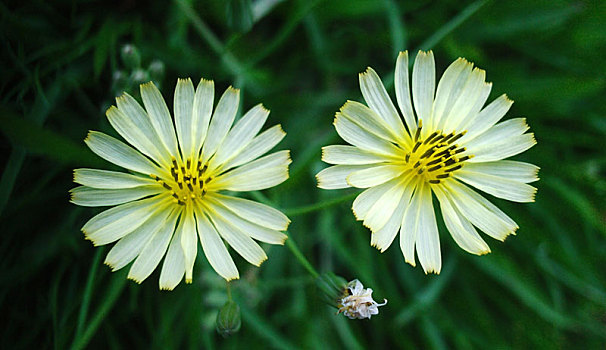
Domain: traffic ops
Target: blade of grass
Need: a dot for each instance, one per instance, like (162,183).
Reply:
(88,291)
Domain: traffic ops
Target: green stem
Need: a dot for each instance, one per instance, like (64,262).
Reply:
(228,288)
(88,291)
(290,244)
(319,206)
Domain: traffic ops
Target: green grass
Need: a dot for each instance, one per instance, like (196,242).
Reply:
(544,288)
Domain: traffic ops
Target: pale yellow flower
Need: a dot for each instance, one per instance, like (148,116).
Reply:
(172,196)
(448,141)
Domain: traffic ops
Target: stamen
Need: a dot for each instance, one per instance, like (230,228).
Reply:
(435,168)
(165,185)
(416,164)
(458,136)
(429,152)
(457,167)
(407,157)
(443,176)
(418,132)
(434,134)
(416,147)
(464,158)
(447,137)
(438,160)
(434,181)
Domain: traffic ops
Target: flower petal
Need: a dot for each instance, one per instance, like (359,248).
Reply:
(498,186)
(355,135)
(427,238)
(474,93)
(423,84)
(113,224)
(504,149)
(189,242)
(370,121)
(131,245)
(173,267)
(154,250)
(334,177)
(255,212)
(374,176)
(449,89)
(383,209)
(383,238)
(378,100)
(159,116)
(260,174)
(402,85)
(487,117)
(221,121)
(260,145)
(459,227)
(202,110)
(214,249)
(499,133)
(483,214)
(97,178)
(94,197)
(342,154)
(117,152)
(369,197)
(510,169)
(240,135)
(239,240)
(184,106)
(255,231)
(408,230)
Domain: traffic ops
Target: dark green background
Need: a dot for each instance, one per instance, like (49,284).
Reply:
(544,288)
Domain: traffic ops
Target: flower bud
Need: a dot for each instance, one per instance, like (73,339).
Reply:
(130,56)
(156,71)
(357,302)
(228,319)
(138,76)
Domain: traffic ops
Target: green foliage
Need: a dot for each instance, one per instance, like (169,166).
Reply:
(544,288)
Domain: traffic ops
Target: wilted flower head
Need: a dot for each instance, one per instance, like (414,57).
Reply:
(357,302)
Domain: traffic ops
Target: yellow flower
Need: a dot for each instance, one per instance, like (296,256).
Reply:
(172,197)
(450,139)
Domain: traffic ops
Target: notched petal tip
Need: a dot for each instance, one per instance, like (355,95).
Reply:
(133,278)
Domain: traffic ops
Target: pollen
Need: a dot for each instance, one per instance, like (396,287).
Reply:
(187,182)
(435,158)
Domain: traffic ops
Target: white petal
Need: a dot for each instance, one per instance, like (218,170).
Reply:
(342,154)
(96,178)
(113,224)
(262,173)
(154,250)
(510,169)
(423,84)
(378,100)
(189,242)
(133,123)
(184,106)
(367,199)
(408,230)
(242,133)
(487,117)
(428,240)
(473,113)
(374,176)
(383,238)
(503,149)
(131,245)
(449,89)
(202,110)
(117,152)
(363,138)
(459,227)
(260,145)
(402,84)
(239,240)
(94,197)
(255,231)
(173,267)
(483,214)
(498,186)
(383,209)
(221,121)
(214,249)
(334,177)
(256,212)
(159,116)
(499,133)
(474,92)
(369,120)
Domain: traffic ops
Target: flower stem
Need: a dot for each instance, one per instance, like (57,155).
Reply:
(290,244)
(319,206)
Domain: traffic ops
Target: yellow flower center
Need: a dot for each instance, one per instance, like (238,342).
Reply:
(434,158)
(188,181)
